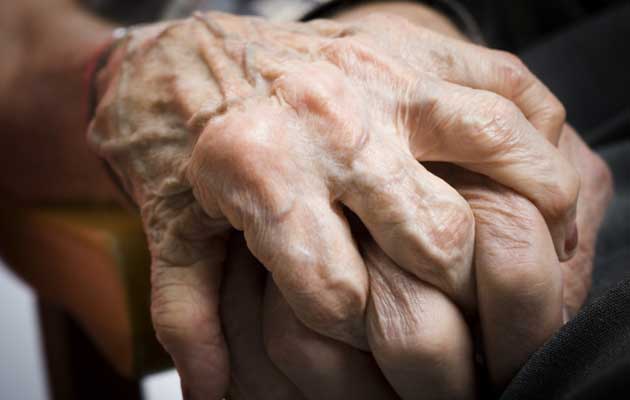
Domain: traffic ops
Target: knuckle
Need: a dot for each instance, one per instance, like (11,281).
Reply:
(499,210)
(224,149)
(451,245)
(552,117)
(440,252)
(491,128)
(338,311)
(457,225)
(519,79)
(498,105)
(507,225)
(454,227)
(338,49)
(332,302)
(564,194)
(211,152)
(514,71)
(248,178)
(438,238)
(330,103)
(314,96)
(557,113)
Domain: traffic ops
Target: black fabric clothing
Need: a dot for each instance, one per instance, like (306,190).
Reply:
(516,24)
(455,10)
(588,359)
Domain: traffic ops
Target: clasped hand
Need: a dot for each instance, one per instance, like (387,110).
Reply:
(285,131)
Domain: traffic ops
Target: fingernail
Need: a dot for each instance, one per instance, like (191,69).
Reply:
(572,240)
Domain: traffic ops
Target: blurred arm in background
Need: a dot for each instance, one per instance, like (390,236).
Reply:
(44,156)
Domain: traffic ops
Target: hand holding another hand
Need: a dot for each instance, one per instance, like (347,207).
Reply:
(220,122)
(422,346)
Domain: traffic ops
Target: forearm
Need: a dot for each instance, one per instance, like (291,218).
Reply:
(414,11)
(43,151)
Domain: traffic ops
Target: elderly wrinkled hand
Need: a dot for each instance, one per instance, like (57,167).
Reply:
(421,343)
(220,122)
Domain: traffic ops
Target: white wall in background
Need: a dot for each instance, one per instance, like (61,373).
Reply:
(162,386)
(21,363)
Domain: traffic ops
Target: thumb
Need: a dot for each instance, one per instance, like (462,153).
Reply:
(187,254)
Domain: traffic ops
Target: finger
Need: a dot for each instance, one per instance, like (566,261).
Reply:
(519,278)
(477,129)
(253,375)
(519,275)
(185,278)
(487,134)
(317,267)
(417,335)
(500,72)
(321,367)
(505,74)
(287,217)
(473,66)
(422,223)
(596,192)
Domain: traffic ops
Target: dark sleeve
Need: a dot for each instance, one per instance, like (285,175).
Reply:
(126,12)
(588,359)
(452,9)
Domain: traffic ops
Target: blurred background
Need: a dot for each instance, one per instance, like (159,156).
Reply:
(22,369)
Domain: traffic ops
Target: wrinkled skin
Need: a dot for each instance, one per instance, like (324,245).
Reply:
(419,340)
(219,122)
